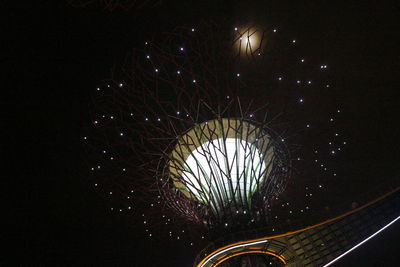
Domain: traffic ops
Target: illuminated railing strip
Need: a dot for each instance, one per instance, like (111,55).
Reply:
(362,242)
(268,252)
(231,248)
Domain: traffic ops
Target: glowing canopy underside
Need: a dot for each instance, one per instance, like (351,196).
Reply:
(222,163)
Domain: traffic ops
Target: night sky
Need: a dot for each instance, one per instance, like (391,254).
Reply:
(53,55)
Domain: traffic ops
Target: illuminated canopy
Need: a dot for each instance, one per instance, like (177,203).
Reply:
(222,163)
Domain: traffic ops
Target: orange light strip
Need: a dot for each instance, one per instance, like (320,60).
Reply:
(269,252)
(300,230)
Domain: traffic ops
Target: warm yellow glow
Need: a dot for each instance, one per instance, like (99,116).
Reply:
(281,258)
(248,41)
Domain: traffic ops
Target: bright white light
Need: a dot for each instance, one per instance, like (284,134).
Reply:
(233,163)
(362,242)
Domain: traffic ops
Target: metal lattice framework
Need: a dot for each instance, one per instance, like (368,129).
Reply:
(167,117)
(223,169)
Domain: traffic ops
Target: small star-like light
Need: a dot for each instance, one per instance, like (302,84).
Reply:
(95,184)
(158,119)
(156,70)
(238,74)
(147,56)
(194,81)
(293,41)
(308,125)
(193,29)
(181,48)
(298,82)
(302,60)
(274,30)
(179,72)
(121,134)
(301,100)
(98,89)
(236,28)
(280,78)
(120,85)
(309,82)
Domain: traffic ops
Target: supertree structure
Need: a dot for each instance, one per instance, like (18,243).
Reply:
(202,129)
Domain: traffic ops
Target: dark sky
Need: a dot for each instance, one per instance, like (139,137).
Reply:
(53,55)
